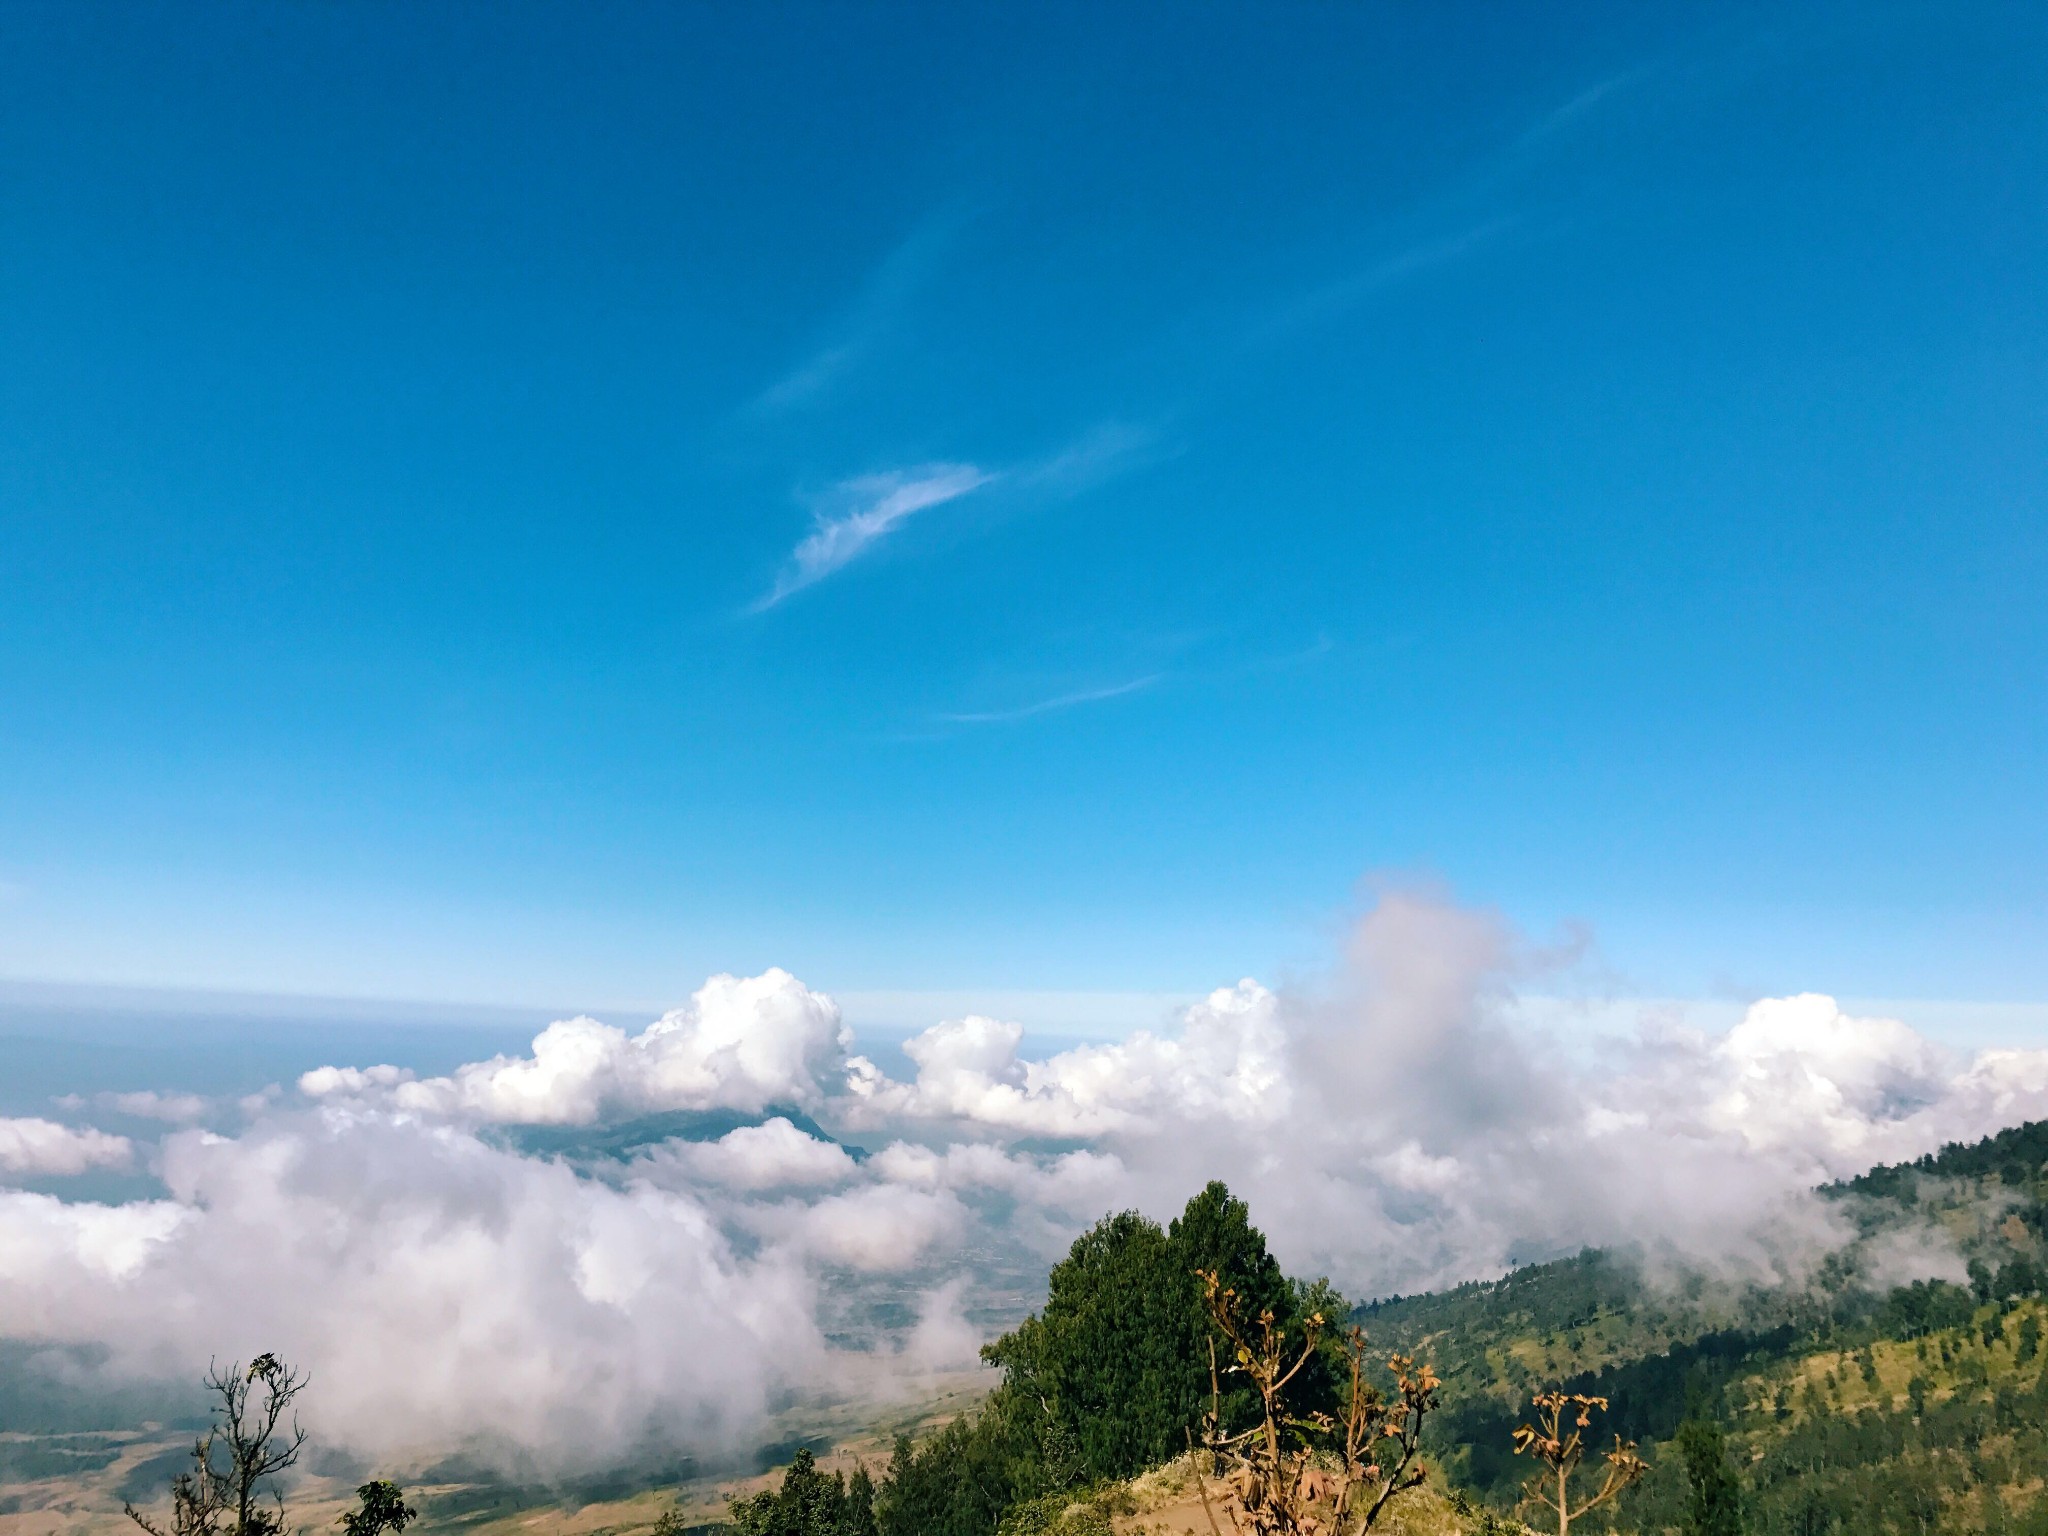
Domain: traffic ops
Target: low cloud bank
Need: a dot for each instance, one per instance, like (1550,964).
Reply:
(33,1146)
(1391,1127)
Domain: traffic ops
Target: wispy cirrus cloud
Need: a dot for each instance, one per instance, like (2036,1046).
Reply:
(1579,106)
(808,379)
(875,310)
(1325,303)
(858,512)
(1480,209)
(1106,450)
(854,514)
(1052,705)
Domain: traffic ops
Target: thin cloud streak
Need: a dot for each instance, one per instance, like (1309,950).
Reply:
(881,299)
(1053,705)
(1333,299)
(1103,452)
(1580,105)
(880,504)
(807,379)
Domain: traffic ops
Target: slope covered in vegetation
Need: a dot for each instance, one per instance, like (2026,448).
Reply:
(1848,1403)
(1842,1402)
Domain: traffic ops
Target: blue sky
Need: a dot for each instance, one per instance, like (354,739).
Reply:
(542,503)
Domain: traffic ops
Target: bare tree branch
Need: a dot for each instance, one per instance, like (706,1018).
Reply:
(1315,1476)
(230,1489)
(1561,1447)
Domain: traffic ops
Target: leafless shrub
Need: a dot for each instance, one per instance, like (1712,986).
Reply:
(1561,1447)
(1313,1475)
(254,1436)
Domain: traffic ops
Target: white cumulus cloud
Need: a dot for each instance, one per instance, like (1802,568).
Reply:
(741,1043)
(757,1157)
(1393,1125)
(439,1289)
(34,1146)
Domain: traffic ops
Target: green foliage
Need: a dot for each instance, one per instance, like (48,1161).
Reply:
(809,1503)
(1110,1378)
(2021,1277)
(1119,1358)
(1109,1356)
(1484,1521)
(1215,1233)
(1828,1407)
(380,1507)
(1916,1394)
(958,1482)
(1716,1508)
(2015,1158)
(1925,1307)
(1057,1514)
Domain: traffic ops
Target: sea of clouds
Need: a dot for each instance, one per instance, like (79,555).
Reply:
(1391,1125)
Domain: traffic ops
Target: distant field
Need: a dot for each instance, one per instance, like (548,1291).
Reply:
(75,1484)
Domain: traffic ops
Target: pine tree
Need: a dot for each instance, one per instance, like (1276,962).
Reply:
(1117,1365)
(1715,1508)
(1107,1356)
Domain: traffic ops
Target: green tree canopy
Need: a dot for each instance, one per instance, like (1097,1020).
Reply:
(809,1503)
(1715,1507)
(1118,1362)
(380,1507)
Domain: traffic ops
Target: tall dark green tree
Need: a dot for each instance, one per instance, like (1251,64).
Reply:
(1215,1233)
(1109,1355)
(958,1482)
(1119,1359)
(1715,1508)
(857,1513)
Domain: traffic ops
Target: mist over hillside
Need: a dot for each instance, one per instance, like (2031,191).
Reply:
(616,1246)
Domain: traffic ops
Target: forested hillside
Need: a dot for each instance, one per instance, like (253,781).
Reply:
(1839,1402)
(1847,1403)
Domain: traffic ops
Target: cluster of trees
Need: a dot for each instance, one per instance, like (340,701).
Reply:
(1155,1341)
(1158,1340)
(1111,1378)
(2016,1157)
(1118,1361)
(1930,1462)
(1924,1307)
(809,1503)
(1930,1306)
(2017,1277)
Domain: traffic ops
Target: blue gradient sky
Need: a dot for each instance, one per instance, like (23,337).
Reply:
(1597,460)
